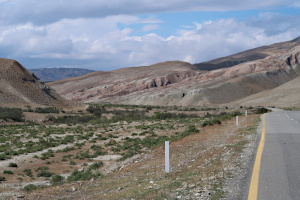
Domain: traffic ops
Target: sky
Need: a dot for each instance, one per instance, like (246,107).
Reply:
(105,35)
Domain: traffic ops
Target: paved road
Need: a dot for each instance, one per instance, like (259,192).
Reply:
(279,174)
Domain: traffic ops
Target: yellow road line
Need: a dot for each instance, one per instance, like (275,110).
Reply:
(255,174)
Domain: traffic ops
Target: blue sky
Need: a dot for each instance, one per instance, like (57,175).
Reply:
(107,35)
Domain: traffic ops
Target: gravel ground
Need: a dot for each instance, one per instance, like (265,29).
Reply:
(237,187)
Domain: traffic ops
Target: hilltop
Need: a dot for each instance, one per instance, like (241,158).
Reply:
(20,87)
(249,55)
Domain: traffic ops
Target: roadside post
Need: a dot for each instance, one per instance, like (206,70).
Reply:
(167,157)
(237,120)
(246,113)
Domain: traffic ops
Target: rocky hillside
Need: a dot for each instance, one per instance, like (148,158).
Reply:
(55,74)
(19,87)
(249,55)
(180,83)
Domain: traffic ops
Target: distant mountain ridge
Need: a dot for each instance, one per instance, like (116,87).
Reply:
(249,55)
(55,74)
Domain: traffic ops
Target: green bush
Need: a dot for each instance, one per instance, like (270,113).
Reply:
(28,172)
(30,187)
(207,123)
(57,180)
(261,110)
(216,121)
(13,165)
(2,178)
(82,176)
(42,168)
(95,165)
(192,129)
(7,172)
(72,162)
(45,174)
(15,114)
(46,110)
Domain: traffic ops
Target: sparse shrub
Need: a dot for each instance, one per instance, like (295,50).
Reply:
(261,110)
(46,110)
(2,178)
(30,187)
(7,172)
(95,165)
(82,176)
(15,114)
(72,162)
(42,168)
(13,165)
(47,155)
(207,123)
(57,179)
(28,172)
(111,142)
(216,121)
(3,157)
(45,174)
(192,129)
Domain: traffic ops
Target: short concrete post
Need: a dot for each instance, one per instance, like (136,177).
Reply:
(237,120)
(246,113)
(167,157)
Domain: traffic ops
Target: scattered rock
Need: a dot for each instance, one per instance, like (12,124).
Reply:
(184,185)
(197,194)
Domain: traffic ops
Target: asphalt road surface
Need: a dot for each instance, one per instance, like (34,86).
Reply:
(279,172)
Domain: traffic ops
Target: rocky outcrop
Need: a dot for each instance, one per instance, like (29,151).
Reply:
(19,87)
(180,83)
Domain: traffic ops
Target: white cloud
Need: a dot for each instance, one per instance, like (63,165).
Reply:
(150,27)
(100,44)
(189,59)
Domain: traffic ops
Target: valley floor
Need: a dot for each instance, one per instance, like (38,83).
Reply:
(204,165)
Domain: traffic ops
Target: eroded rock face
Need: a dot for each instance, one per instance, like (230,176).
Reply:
(180,83)
(18,87)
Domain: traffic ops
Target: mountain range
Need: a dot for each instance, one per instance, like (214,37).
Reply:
(273,79)
(54,74)
(181,83)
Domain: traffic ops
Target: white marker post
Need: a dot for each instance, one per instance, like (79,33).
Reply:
(246,113)
(237,120)
(167,157)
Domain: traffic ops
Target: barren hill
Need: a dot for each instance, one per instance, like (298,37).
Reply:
(180,83)
(286,95)
(55,74)
(19,87)
(249,55)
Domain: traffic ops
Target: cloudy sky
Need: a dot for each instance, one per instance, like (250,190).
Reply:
(106,35)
